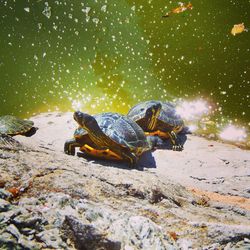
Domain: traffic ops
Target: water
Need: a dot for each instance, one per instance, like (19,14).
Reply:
(108,55)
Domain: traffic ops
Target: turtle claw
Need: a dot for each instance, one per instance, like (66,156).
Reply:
(69,152)
(177,147)
(69,147)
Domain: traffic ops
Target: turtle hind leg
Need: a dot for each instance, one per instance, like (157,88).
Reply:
(70,145)
(110,154)
(100,153)
(130,157)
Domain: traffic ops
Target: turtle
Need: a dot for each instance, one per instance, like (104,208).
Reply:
(108,135)
(12,125)
(160,119)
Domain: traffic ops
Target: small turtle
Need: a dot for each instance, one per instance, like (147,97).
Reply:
(109,136)
(160,119)
(11,125)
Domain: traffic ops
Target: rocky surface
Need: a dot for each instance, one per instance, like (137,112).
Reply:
(195,199)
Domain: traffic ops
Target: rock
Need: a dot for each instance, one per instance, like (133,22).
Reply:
(185,244)
(13,230)
(9,215)
(32,220)
(51,239)
(8,241)
(246,240)
(32,201)
(141,233)
(27,231)
(2,182)
(4,194)
(86,236)
(92,216)
(4,205)
(71,203)
(25,243)
(228,233)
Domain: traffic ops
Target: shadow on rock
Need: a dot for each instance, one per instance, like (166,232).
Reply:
(146,161)
(86,236)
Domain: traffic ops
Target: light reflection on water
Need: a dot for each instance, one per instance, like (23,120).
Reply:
(103,56)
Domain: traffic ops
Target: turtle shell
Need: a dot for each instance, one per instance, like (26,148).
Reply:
(168,118)
(11,125)
(120,129)
(168,115)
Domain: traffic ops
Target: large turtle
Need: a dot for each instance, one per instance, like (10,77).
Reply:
(11,125)
(160,119)
(108,135)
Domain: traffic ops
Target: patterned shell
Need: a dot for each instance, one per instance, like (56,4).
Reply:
(120,129)
(11,125)
(167,115)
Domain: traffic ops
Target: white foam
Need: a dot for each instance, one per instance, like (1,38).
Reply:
(193,110)
(233,133)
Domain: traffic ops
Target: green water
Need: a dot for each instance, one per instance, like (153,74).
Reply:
(117,53)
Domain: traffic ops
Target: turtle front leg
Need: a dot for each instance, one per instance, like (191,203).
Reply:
(176,144)
(70,145)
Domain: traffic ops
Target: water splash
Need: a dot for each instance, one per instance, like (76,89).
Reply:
(47,10)
(193,110)
(233,133)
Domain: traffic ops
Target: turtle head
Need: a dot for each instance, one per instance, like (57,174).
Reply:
(153,110)
(152,114)
(84,120)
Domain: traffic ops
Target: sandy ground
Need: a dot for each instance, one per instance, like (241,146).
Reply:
(202,165)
